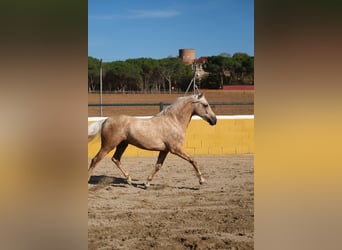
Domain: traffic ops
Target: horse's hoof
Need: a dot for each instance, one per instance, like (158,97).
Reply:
(147,184)
(202,181)
(129,181)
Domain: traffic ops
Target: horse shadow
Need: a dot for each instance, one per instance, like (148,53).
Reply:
(104,180)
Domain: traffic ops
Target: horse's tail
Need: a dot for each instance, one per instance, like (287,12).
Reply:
(94,128)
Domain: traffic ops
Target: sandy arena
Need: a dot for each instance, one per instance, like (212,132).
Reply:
(175,212)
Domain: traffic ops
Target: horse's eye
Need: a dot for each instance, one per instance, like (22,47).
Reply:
(205,105)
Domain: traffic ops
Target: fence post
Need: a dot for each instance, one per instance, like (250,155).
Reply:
(161,106)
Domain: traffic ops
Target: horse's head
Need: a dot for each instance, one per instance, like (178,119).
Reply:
(203,109)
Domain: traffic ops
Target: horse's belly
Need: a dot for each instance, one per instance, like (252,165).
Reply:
(148,145)
(146,141)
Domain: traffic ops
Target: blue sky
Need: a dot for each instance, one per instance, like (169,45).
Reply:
(123,29)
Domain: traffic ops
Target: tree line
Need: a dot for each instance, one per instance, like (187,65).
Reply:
(168,74)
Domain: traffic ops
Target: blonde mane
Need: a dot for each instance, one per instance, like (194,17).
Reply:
(180,102)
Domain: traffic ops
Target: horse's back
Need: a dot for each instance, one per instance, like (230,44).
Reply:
(126,124)
(117,119)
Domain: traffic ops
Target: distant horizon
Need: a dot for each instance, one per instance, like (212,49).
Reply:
(104,60)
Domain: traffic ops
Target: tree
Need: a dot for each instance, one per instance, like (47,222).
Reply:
(211,81)
(224,54)
(122,76)
(220,66)
(168,68)
(174,72)
(93,73)
(238,69)
(243,66)
(148,75)
(148,68)
(184,77)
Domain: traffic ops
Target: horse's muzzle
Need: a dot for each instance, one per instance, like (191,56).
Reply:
(212,120)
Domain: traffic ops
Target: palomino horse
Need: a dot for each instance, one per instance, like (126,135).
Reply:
(164,132)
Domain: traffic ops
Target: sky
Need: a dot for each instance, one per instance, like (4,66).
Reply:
(126,29)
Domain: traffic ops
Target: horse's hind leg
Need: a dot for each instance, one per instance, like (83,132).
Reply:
(120,149)
(161,157)
(181,153)
(98,157)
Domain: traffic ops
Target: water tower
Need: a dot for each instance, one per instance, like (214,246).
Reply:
(187,55)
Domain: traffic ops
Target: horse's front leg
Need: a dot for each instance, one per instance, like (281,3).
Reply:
(181,153)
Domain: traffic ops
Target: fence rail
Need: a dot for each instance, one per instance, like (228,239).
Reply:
(160,104)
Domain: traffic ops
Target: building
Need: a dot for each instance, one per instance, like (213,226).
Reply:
(198,64)
(187,55)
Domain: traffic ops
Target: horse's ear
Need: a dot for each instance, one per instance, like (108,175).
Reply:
(200,95)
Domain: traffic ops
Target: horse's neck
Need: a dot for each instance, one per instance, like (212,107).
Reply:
(184,114)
